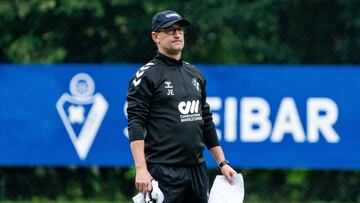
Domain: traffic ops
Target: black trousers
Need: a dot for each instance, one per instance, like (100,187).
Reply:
(188,184)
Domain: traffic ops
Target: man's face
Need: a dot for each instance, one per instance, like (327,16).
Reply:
(170,39)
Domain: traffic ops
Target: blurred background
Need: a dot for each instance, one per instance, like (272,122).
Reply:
(287,32)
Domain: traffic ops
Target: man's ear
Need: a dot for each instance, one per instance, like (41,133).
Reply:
(155,37)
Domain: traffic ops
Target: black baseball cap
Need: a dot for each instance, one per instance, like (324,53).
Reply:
(167,18)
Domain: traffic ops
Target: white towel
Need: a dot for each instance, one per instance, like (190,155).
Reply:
(156,195)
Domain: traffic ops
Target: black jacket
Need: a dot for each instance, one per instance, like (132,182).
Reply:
(167,107)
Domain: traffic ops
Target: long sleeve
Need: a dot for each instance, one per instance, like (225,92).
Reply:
(138,99)
(209,131)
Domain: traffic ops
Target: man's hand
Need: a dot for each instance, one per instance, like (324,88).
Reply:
(143,180)
(228,172)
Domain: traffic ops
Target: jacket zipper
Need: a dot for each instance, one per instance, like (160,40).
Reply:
(179,67)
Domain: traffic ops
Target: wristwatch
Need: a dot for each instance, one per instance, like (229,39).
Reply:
(221,164)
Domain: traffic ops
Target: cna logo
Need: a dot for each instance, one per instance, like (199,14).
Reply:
(82,112)
(189,111)
(189,107)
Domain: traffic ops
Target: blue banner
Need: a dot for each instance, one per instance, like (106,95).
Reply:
(267,116)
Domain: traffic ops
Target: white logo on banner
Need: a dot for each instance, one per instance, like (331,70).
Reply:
(82,110)
(251,116)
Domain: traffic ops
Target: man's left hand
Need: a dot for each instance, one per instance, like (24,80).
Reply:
(228,172)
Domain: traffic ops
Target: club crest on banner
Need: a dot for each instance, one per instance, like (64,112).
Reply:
(82,112)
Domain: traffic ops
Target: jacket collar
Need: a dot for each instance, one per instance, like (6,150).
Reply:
(167,60)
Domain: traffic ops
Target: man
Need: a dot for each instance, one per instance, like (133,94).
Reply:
(169,121)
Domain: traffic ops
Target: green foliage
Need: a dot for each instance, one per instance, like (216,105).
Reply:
(31,49)
(40,184)
(118,31)
(65,184)
(301,186)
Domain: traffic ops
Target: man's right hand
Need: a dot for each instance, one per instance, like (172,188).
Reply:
(143,180)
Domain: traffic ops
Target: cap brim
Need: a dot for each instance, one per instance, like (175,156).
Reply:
(182,22)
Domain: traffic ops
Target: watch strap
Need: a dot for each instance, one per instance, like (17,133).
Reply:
(223,163)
